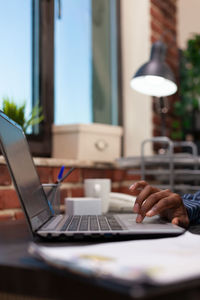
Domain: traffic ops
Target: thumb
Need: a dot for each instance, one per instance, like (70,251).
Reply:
(180,221)
(175,221)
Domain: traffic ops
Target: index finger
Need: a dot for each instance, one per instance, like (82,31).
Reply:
(137,187)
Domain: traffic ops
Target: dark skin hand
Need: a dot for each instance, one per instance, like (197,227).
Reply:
(152,201)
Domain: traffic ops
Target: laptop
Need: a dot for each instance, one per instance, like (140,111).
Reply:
(42,220)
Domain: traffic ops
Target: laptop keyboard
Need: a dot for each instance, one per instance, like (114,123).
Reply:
(91,223)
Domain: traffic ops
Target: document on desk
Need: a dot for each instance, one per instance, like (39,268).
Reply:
(159,261)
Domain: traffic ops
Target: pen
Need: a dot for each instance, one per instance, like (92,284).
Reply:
(50,206)
(65,176)
(60,173)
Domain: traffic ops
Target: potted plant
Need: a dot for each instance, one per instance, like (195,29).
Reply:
(17,113)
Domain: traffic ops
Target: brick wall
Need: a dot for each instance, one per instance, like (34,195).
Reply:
(164,27)
(48,170)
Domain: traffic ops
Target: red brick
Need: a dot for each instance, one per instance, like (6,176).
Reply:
(45,174)
(1,200)
(165,6)
(6,217)
(134,177)
(155,27)
(169,9)
(64,193)
(170,25)
(156,132)
(168,37)
(155,37)
(118,175)
(19,215)
(156,14)
(97,173)
(5,178)
(156,119)
(9,199)
(173,64)
(122,175)
(77,192)
(125,190)
(75,176)
(159,17)
(164,18)
(109,173)
(173,52)
(115,189)
(72,192)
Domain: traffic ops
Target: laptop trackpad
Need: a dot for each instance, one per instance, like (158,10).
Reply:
(149,225)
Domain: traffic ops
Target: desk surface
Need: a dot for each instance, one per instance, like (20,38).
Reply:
(23,275)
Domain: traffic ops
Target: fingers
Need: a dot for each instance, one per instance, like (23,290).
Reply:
(137,187)
(153,201)
(175,221)
(164,204)
(155,204)
(182,221)
(149,195)
(143,190)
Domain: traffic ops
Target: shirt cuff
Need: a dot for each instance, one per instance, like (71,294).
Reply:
(193,210)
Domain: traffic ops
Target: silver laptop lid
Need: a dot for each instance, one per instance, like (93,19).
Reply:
(20,163)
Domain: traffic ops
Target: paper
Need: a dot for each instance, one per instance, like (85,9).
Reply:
(161,261)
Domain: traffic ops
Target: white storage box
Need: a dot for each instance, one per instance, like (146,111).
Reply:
(83,206)
(96,142)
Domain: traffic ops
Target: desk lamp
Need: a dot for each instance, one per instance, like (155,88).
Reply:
(155,78)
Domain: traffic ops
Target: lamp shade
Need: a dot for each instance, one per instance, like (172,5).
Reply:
(155,77)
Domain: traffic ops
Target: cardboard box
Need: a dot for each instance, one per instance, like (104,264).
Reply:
(96,142)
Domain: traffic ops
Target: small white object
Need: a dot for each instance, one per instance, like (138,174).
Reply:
(100,188)
(120,202)
(83,206)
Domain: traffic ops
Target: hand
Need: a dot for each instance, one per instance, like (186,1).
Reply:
(153,201)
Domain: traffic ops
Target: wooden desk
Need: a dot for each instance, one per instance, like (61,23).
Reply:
(22,275)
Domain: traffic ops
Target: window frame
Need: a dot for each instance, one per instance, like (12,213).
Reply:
(41,144)
(106,43)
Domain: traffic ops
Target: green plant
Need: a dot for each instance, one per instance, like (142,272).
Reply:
(189,87)
(17,113)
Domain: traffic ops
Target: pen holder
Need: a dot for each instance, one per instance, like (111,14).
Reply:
(52,191)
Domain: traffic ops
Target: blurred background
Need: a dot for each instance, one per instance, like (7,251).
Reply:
(76,59)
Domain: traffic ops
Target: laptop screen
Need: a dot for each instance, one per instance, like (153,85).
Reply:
(20,163)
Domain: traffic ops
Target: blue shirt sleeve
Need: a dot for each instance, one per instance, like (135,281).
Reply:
(192,204)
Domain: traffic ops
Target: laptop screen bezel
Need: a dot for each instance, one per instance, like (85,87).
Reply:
(42,216)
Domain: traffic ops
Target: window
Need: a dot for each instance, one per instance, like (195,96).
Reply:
(15,58)
(86,62)
(66,57)
(24,74)
(43,73)
(73,62)
(106,62)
